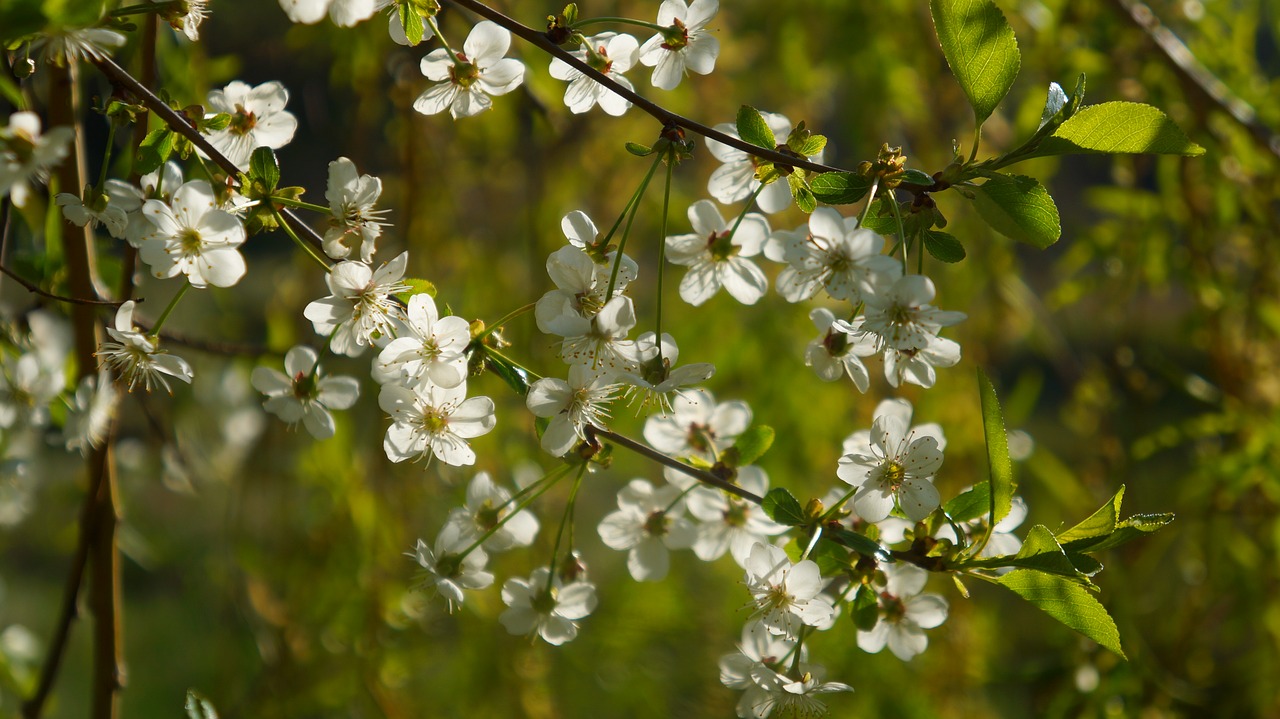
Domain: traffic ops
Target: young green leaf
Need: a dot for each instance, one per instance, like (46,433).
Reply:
(1041,551)
(753,128)
(1066,601)
(753,443)
(1099,524)
(1118,128)
(916,177)
(515,377)
(865,608)
(1002,484)
(831,558)
(411,23)
(417,286)
(839,188)
(1020,208)
(943,246)
(1135,527)
(782,507)
(980,49)
(264,166)
(861,544)
(970,505)
(803,195)
(154,150)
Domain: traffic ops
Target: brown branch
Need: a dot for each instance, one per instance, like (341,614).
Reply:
(32,288)
(699,474)
(1195,75)
(179,124)
(659,113)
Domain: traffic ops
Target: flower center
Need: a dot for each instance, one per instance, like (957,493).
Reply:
(599,60)
(676,37)
(242,122)
(435,421)
(700,437)
(720,245)
(836,343)
(304,386)
(464,75)
(488,515)
(656,524)
(894,473)
(736,515)
(189,240)
(544,602)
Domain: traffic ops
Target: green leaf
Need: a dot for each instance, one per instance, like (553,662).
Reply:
(516,378)
(782,507)
(1002,484)
(220,121)
(970,505)
(1066,601)
(861,544)
(155,149)
(753,128)
(198,707)
(916,177)
(810,146)
(1135,527)
(803,195)
(264,166)
(831,558)
(943,246)
(639,150)
(1118,128)
(980,49)
(839,188)
(411,22)
(753,443)
(1020,208)
(865,608)
(417,286)
(1099,524)
(1041,551)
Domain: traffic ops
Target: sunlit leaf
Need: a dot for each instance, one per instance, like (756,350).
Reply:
(980,49)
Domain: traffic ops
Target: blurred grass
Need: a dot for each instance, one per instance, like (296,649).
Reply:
(1141,350)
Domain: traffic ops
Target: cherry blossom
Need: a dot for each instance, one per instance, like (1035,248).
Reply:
(611,54)
(716,256)
(432,348)
(344,13)
(552,613)
(686,45)
(786,596)
(697,426)
(355,226)
(836,352)
(26,154)
(136,357)
(488,508)
(430,421)
(735,180)
(258,119)
(728,523)
(904,613)
(833,253)
(481,70)
(359,310)
(301,394)
(897,465)
(447,570)
(647,523)
(571,406)
(192,237)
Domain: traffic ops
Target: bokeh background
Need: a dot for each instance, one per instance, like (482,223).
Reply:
(267,571)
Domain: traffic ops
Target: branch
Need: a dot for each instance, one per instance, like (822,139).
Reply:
(120,77)
(659,113)
(699,474)
(32,288)
(1196,75)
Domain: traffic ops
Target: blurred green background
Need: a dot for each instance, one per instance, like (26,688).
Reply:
(267,571)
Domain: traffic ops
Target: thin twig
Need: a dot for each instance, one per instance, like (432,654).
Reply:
(30,287)
(179,124)
(659,113)
(698,474)
(1196,75)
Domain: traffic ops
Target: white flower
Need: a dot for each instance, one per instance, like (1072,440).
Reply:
(697,426)
(917,366)
(648,522)
(100,211)
(753,668)
(655,378)
(686,44)
(552,612)
(717,257)
(489,507)
(482,71)
(64,45)
(600,342)
(359,310)
(302,394)
(901,317)
(89,413)
(28,383)
(258,119)
(136,357)
(193,238)
(434,421)
(728,523)
(860,442)
(580,282)
(610,53)
(836,352)
(797,697)
(786,596)
(157,185)
(904,613)
(345,13)
(27,155)
(833,253)
(355,225)
(449,572)
(432,350)
(735,180)
(571,406)
(899,465)
(186,17)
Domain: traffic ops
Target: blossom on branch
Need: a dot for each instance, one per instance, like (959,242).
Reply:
(26,154)
(192,237)
(136,357)
(609,53)
(430,421)
(685,45)
(716,255)
(359,310)
(258,119)
(302,394)
(355,226)
(480,70)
